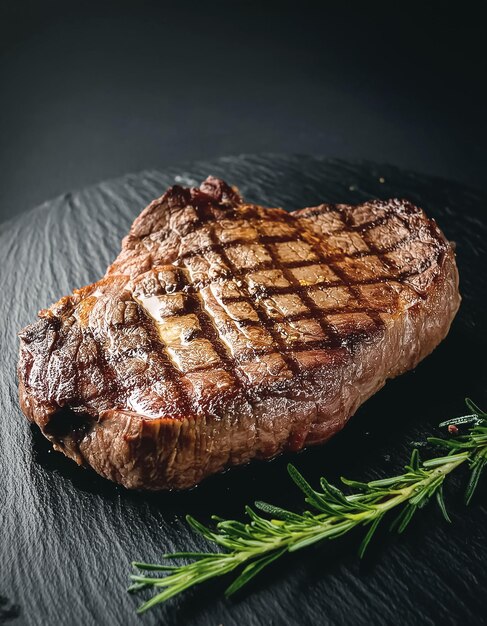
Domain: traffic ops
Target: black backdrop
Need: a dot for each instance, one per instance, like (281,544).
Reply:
(94,89)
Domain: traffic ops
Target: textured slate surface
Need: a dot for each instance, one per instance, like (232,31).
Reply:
(67,536)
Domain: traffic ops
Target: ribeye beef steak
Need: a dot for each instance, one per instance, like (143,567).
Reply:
(225,331)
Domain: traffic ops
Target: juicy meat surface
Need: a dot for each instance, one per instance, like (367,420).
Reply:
(225,331)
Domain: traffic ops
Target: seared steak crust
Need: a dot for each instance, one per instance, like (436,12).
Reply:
(225,331)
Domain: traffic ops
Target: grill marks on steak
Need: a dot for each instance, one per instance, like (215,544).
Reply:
(225,331)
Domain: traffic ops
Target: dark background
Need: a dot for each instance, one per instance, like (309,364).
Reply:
(92,90)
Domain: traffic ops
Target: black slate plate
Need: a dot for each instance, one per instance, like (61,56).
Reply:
(67,536)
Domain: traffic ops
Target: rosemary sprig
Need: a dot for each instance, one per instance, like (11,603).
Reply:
(250,547)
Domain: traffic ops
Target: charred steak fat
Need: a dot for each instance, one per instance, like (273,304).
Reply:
(225,331)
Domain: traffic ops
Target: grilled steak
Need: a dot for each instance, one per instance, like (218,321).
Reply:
(225,331)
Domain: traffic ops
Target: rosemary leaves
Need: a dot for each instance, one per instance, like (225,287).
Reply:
(249,547)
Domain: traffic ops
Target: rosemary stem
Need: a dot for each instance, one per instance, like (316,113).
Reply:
(439,473)
(317,530)
(250,547)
